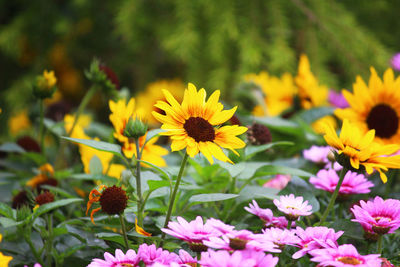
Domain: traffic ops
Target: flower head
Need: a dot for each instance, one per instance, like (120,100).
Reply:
(293,207)
(120,259)
(151,254)
(344,256)
(395,62)
(379,216)
(45,85)
(259,134)
(29,144)
(220,226)
(267,216)
(280,237)
(353,183)
(192,124)
(355,149)
(19,122)
(246,258)
(45,197)
(44,177)
(320,155)
(337,99)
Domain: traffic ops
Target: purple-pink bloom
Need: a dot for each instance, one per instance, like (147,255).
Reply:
(240,258)
(120,258)
(151,254)
(395,62)
(319,155)
(279,181)
(379,216)
(267,216)
(344,256)
(186,258)
(262,259)
(314,238)
(279,237)
(220,225)
(337,99)
(293,207)
(353,183)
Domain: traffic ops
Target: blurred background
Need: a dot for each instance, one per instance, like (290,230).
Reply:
(210,43)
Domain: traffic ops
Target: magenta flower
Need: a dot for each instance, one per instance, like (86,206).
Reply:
(280,237)
(267,216)
(395,62)
(319,155)
(315,238)
(379,216)
(151,254)
(186,258)
(262,259)
(293,207)
(194,232)
(243,258)
(279,181)
(337,99)
(353,183)
(220,226)
(344,256)
(119,260)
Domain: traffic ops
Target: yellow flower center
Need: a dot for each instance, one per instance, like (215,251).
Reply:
(384,120)
(349,260)
(199,129)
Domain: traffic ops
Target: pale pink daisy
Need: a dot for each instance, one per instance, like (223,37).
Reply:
(194,232)
(379,216)
(220,225)
(353,183)
(319,155)
(337,99)
(119,260)
(186,258)
(344,256)
(245,258)
(314,238)
(278,182)
(293,207)
(262,259)
(279,237)
(151,254)
(267,216)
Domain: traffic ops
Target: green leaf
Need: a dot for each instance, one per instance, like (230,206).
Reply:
(276,169)
(164,173)
(152,134)
(233,169)
(252,191)
(11,147)
(6,210)
(351,229)
(311,115)
(58,190)
(7,222)
(211,197)
(111,237)
(95,165)
(56,128)
(54,205)
(250,151)
(153,185)
(91,177)
(279,124)
(99,145)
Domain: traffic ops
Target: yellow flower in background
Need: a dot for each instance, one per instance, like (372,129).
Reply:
(19,122)
(360,149)
(319,125)
(375,106)
(4,260)
(47,80)
(87,153)
(119,117)
(311,94)
(194,124)
(278,93)
(146,99)
(46,172)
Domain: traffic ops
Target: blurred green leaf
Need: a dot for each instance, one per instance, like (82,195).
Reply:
(95,166)
(99,145)
(11,147)
(252,192)
(54,205)
(6,210)
(311,115)
(211,197)
(250,151)
(93,177)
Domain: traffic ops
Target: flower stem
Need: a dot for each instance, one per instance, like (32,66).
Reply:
(379,245)
(334,196)
(138,184)
(27,237)
(121,219)
(173,195)
(41,126)
(289,224)
(49,241)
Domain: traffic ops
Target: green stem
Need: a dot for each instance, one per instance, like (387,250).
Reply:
(49,242)
(289,224)
(41,126)
(334,196)
(172,197)
(27,236)
(121,219)
(138,184)
(88,96)
(379,248)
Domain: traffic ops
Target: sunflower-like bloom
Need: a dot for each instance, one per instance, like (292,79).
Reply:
(375,106)
(145,100)
(360,149)
(278,93)
(191,124)
(119,117)
(311,94)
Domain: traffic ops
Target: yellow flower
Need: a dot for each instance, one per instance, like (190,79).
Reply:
(145,100)
(311,94)
(119,117)
(48,80)
(194,124)
(84,121)
(19,122)
(278,93)
(140,230)
(360,149)
(46,172)
(375,106)
(319,125)
(4,260)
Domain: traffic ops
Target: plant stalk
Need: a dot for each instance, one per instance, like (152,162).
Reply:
(41,126)
(289,224)
(139,184)
(379,245)
(49,242)
(121,219)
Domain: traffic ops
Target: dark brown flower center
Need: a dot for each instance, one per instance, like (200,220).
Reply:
(44,198)
(259,134)
(199,129)
(384,120)
(349,260)
(198,247)
(237,243)
(113,200)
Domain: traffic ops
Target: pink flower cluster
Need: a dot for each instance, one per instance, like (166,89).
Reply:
(319,155)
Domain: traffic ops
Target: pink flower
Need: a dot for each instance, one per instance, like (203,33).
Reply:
(280,237)
(379,216)
(344,256)
(244,258)
(150,254)
(353,183)
(120,258)
(337,99)
(395,62)
(194,232)
(267,216)
(293,207)
(319,155)
(186,258)
(314,238)
(279,181)
(262,259)
(220,226)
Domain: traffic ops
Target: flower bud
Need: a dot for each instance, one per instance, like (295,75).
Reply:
(259,134)
(135,128)
(97,74)
(45,85)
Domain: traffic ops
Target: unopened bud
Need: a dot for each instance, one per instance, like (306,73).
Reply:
(135,128)
(45,85)
(98,74)
(331,156)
